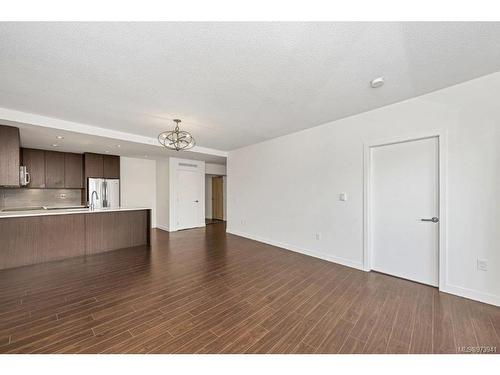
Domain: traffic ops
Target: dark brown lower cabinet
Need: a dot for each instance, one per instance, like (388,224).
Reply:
(115,230)
(39,239)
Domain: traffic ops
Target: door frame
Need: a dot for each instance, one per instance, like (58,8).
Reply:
(367,197)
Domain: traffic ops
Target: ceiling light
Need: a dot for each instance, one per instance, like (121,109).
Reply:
(118,145)
(60,137)
(54,145)
(176,139)
(377,82)
(107,152)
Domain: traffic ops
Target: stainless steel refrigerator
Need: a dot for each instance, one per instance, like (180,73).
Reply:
(107,192)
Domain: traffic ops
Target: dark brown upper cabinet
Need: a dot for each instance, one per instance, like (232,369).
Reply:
(54,169)
(34,160)
(9,156)
(111,166)
(101,166)
(94,165)
(73,171)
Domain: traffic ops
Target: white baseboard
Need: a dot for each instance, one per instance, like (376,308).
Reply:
(163,227)
(473,294)
(452,289)
(330,258)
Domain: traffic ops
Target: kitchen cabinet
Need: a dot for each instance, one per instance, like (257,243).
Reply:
(116,230)
(34,160)
(94,165)
(101,166)
(38,239)
(9,156)
(54,169)
(73,171)
(111,166)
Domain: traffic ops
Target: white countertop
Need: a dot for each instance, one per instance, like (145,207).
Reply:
(66,211)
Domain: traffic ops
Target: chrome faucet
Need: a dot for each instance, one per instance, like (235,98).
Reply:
(92,205)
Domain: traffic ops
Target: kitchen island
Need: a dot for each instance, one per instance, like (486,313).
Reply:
(38,236)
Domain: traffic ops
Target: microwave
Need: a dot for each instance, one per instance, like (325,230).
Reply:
(24,176)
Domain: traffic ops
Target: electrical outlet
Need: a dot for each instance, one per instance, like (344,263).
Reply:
(343,197)
(318,236)
(62,196)
(482,265)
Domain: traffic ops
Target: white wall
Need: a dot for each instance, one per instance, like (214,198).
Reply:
(162,194)
(148,183)
(215,169)
(138,184)
(285,190)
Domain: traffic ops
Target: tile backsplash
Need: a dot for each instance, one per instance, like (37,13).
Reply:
(13,198)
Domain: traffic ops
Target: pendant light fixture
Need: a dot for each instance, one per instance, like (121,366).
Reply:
(176,139)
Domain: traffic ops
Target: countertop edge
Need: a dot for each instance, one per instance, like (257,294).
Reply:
(68,212)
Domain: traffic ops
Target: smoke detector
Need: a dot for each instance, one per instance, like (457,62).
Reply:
(377,82)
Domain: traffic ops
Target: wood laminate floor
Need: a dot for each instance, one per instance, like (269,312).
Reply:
(202,291)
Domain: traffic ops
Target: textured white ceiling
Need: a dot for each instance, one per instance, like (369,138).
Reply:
(233,84)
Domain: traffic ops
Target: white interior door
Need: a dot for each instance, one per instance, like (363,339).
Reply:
(189,190)
(405,190)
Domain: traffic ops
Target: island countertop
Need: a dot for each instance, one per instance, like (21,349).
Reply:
(65,211)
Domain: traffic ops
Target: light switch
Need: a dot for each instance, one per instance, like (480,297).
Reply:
(343,197)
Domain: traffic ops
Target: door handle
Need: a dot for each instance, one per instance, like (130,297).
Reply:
(196,201)
(434,219)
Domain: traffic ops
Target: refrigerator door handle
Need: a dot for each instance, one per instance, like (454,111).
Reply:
(103,198)
(105,186)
